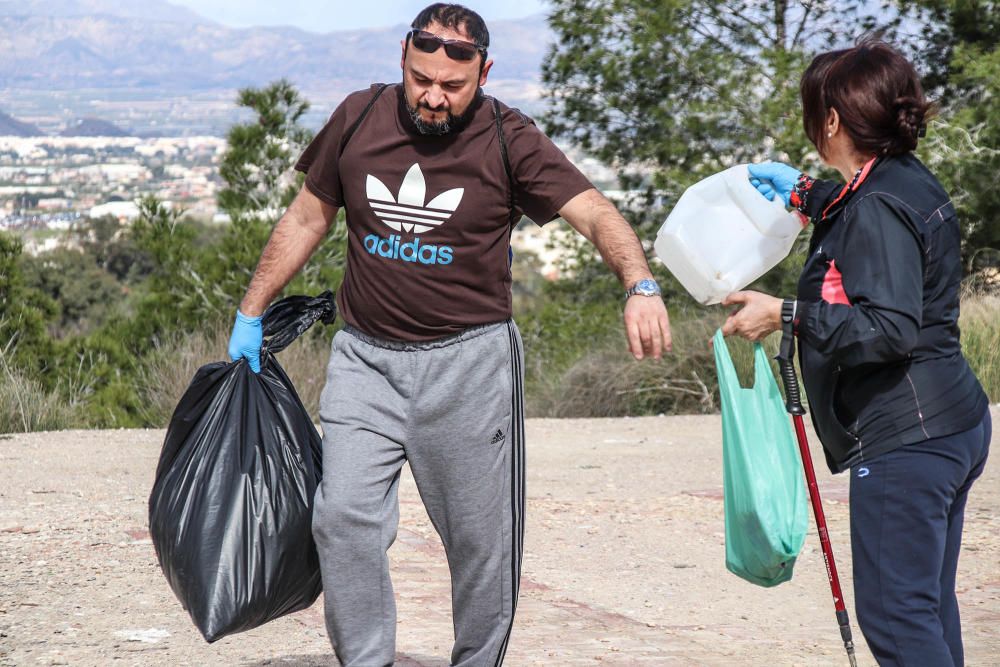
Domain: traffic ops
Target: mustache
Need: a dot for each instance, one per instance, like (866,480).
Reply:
(438,108)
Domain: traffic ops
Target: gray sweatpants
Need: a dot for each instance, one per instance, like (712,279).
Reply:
(452,408)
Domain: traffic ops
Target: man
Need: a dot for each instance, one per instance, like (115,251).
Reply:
(428,369)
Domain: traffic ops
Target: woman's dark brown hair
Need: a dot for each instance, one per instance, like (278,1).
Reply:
(876,92)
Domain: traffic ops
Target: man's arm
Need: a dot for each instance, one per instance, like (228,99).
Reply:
(292,242)
(646,321)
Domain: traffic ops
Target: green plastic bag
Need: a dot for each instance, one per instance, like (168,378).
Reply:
(765,495)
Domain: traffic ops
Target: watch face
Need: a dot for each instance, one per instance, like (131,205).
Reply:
(645,287)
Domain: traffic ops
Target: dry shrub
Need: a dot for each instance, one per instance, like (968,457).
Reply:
(167,375)
(980,325)
(25,406)
(608,382)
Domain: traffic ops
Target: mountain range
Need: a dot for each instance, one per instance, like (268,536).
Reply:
(80,127)
(92,127)
(12,127)
(144,47)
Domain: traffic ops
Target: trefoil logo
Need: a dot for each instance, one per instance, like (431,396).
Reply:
(407,212)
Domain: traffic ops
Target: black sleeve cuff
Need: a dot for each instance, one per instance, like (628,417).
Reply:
(821,193)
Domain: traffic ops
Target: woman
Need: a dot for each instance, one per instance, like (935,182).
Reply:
(876,315)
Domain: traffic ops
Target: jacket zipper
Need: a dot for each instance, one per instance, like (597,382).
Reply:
(916,401)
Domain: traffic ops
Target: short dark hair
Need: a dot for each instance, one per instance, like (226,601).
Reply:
(456,17)
(877,95)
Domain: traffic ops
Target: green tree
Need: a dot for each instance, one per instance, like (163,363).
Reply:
(669,91)
(949,27)
(260,154)
(189,276)
(84,292)
(108,242)
(260,184)
(962,58)
(24,314)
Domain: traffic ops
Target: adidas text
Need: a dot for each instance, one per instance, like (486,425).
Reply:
(413,251)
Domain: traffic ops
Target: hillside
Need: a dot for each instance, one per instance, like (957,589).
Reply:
(93,127)
(140,9)
(12,127)
(137,44)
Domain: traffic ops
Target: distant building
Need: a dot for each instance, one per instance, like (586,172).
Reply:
(116,172)
(54,204)
(122,210)
(549,244)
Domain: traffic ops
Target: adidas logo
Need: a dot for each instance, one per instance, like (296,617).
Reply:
(394,248)
(497,437)
(406,212)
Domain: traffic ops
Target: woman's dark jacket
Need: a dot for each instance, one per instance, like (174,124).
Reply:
(877,314)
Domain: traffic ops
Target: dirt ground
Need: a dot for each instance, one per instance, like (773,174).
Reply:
(624,562)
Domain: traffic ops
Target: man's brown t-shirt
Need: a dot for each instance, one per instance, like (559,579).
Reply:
(428,217)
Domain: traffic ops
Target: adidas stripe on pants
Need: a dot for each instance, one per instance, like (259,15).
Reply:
(452,408)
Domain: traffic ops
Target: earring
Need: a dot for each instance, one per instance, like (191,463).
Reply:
(829,134)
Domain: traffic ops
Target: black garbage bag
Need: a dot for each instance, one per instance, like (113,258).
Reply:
(231,508)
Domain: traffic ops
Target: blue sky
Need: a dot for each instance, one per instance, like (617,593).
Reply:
(326,16)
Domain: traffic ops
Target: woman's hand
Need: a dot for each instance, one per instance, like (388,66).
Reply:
(772,178)
(757,316)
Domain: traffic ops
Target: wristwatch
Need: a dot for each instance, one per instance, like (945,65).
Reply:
(645,287)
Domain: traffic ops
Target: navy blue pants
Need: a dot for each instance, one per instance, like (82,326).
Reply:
(907,508)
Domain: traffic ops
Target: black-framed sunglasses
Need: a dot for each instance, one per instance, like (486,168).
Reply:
(456,49)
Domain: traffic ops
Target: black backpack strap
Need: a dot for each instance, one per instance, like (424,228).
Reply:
(357,123)
(511,203)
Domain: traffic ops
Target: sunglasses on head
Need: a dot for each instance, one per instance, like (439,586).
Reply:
(456,49)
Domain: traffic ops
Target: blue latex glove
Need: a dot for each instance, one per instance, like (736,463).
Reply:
(772,178)
(245,342)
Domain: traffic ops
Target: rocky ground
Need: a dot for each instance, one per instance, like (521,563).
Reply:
(624,562)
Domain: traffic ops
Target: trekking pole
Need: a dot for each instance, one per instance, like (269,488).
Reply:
(793,404)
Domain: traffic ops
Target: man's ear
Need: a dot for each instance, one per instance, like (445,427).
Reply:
(402,53)
(485,73)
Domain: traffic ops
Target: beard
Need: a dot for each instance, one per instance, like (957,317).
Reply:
(449,125)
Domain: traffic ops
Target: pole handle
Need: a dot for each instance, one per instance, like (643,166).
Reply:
(786,366)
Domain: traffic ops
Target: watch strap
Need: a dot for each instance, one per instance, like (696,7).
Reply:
(790,312)
(634,289)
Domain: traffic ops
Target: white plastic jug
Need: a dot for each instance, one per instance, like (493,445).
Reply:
(722,235)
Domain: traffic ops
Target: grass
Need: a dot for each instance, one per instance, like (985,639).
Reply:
(980,325)
(607,382)
(25,406)
(166,377)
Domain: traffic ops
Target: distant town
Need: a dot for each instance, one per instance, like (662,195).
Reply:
(48,183)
